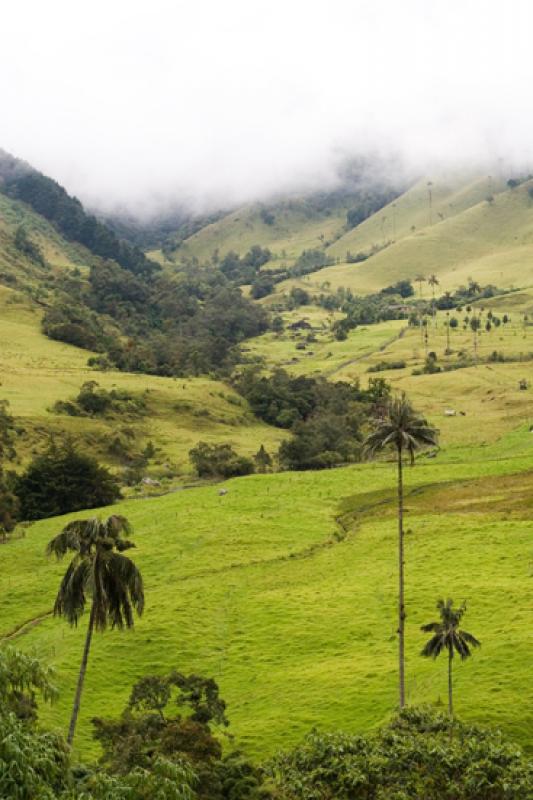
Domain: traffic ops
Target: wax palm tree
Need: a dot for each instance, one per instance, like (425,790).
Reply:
(433,281)
(420,279)
(98,570)
(447,635)
(403,430)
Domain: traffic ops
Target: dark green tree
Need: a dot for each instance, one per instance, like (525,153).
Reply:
(403,430)
(99,571)
(263,460)
(62,480)
(448,636)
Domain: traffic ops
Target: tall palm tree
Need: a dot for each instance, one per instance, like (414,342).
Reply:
(403,430)
(420,279)
(433,281)
(447,635)
(98,570)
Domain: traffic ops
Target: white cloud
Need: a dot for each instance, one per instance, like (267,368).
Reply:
(137,102)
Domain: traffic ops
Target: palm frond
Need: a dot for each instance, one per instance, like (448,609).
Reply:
(401,428)
(100,571)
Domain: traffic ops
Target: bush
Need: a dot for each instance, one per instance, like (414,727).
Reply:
(33,765)
(219,461)
(63,480)
(383,365)
(421,755)
(93,401)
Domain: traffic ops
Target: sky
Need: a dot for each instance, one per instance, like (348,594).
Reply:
(142,104)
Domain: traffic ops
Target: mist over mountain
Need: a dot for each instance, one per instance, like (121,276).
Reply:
(206,106)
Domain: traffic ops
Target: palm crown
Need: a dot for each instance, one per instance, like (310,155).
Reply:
(98,569)
(447,635)
(402,428)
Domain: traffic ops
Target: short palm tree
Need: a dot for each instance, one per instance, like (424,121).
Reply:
(403,430)
(97,570)
(447,635)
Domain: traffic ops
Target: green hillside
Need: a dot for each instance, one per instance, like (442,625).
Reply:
(284,588)
(37,372)
(284,591)
(296,226)
(17,269)
(489,241)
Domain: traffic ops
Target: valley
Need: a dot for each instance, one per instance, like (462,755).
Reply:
(282,585)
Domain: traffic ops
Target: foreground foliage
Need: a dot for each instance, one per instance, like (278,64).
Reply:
(420,755)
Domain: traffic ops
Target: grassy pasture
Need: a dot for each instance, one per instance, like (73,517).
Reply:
(492,242)
(284,591)
(296,227)
(36,372)
(325,356)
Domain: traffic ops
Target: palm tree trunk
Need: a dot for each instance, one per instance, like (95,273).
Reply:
(450,685)
(81,678)
(401,605)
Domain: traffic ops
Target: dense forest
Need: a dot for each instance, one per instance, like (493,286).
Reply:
(21,182)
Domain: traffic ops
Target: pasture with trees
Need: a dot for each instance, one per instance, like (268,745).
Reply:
(311,450)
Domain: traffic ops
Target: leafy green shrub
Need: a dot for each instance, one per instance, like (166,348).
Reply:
(421,755)
(384,365)
(219,461)
(25,245)
(93,401)
(33,765)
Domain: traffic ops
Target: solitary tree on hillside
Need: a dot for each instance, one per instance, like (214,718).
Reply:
(99,570)
(447,635)
(420,279)
(404,431)
(433,281)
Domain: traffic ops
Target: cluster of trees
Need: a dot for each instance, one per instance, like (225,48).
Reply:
(66,213)
(60,480)
(219,461)
(370,202)
(9,504)
(28,247)
(190,324)
(244,270)
(166,745)
(325,419)
(94,401)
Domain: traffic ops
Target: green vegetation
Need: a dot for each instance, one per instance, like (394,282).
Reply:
(98,569)
(50,200)
(400,428)
(447,635)
(219,461)
(281,587)
(62,479)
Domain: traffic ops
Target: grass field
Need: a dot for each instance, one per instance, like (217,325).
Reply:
(296,227)
(36,372)
(294,613)
(284,588)
(489,241)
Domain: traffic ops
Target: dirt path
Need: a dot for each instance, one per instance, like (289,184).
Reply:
(380,349)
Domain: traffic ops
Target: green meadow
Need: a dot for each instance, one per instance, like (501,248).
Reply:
(284,588)
(284,591)
(36,372)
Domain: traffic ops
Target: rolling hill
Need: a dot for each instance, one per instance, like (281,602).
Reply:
(283,588)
